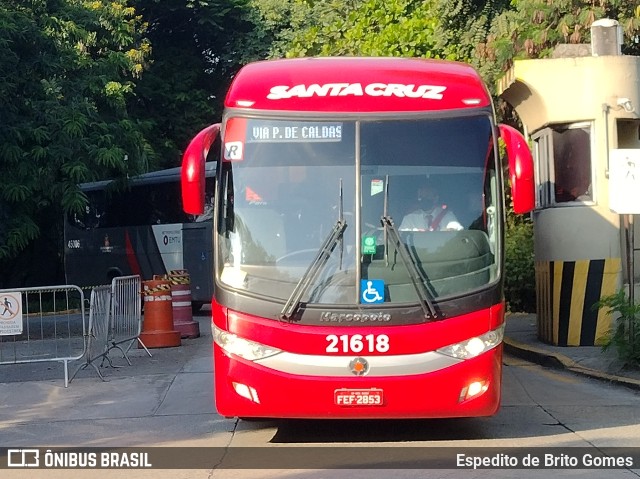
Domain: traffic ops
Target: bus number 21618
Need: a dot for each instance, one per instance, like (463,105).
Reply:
(357,343)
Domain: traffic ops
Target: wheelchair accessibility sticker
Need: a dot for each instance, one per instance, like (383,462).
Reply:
(371,291)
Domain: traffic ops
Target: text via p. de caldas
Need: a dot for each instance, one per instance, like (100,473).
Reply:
(266,132)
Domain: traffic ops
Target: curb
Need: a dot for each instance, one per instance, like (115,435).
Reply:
(558,361)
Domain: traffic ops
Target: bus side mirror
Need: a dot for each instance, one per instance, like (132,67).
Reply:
(192,174)
(520,169)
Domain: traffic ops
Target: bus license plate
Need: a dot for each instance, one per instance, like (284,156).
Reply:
(358,397)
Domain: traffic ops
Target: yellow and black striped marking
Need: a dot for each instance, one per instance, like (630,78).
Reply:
(566,293)
(146,290)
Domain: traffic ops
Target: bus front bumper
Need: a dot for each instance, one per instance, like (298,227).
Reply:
(470,388)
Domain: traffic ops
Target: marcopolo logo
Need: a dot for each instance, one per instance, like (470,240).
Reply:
(432,92)
(332,317)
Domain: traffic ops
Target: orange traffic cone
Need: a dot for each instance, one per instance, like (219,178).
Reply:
(181,301)
(157,324)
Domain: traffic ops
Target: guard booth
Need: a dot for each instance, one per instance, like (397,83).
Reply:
(581,111)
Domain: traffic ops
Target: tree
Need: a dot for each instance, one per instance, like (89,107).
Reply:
(192,61)
(532,29)
(463,24)
(67,70)
(91,99)
(422,28)
(489,34)
(355,27)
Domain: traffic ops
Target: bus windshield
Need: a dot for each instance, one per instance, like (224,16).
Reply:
(431,182)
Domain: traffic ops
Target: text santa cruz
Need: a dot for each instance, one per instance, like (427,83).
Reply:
(432,92)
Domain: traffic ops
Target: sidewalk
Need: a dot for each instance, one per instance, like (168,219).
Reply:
(521,340)
(163,400)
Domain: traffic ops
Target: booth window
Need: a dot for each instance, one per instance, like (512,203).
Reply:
(563,164)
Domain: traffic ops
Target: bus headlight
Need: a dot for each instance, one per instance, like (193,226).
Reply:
(473,347)
(233,344)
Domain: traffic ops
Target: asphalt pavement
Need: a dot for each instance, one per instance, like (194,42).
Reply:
(175,387)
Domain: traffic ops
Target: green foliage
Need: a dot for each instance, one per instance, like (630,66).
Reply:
(520,287)
(355,27)
(625,334)
(372,28)
(520,281)
(463,25)
(18,232)
(67,70)
(532,29)
(85,97)
(194,57)
(418,28)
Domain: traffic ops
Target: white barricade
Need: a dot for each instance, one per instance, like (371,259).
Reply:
(48,324)
(42,324)
(115,321)
(125,322)
(97,339)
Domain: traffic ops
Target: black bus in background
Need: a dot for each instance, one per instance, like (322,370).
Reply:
(140,228)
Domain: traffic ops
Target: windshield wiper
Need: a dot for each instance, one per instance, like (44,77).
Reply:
(321,258)
(418,281)
(414,273)
(309,276)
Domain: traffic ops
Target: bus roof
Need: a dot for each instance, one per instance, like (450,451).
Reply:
(356,84)
(153,177)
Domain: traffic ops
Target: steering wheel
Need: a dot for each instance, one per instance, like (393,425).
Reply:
(301,252)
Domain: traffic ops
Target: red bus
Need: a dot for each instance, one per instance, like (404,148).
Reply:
(331,300)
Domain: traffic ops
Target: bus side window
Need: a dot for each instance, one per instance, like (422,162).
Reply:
(92,215)
(207,215)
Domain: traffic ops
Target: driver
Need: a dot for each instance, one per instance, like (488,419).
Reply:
(428,214)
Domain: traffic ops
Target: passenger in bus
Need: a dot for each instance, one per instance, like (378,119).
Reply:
(428,213)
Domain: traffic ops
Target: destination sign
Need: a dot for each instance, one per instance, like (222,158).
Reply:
(296,131)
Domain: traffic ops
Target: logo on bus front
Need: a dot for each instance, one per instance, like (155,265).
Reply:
(233,151)
(359,366)
(432,92)
(359,317)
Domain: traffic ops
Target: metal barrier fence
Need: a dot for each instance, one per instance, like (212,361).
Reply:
(115,321)
(97,339)
(125,322)
(49,324)
(42,324)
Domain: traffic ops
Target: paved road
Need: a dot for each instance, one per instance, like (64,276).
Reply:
(167,401)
